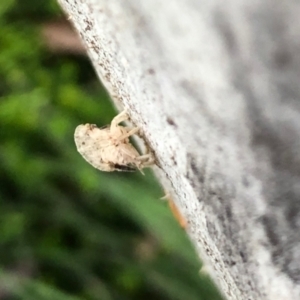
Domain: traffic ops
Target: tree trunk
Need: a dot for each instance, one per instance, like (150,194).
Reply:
(215,87)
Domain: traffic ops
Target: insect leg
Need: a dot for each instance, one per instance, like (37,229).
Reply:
(146,159)
(123,116)
(129,133)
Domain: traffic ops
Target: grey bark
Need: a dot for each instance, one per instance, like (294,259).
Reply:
(215,86)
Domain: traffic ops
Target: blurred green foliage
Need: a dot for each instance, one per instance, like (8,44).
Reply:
(68,231)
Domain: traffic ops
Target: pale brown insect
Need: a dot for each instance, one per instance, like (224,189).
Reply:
(108,148)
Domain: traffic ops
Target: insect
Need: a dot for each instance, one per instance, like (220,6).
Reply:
(108,148)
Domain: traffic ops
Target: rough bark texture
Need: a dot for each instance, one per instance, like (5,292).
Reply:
(216,88)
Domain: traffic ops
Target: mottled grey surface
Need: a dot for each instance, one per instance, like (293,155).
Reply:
(216,88)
